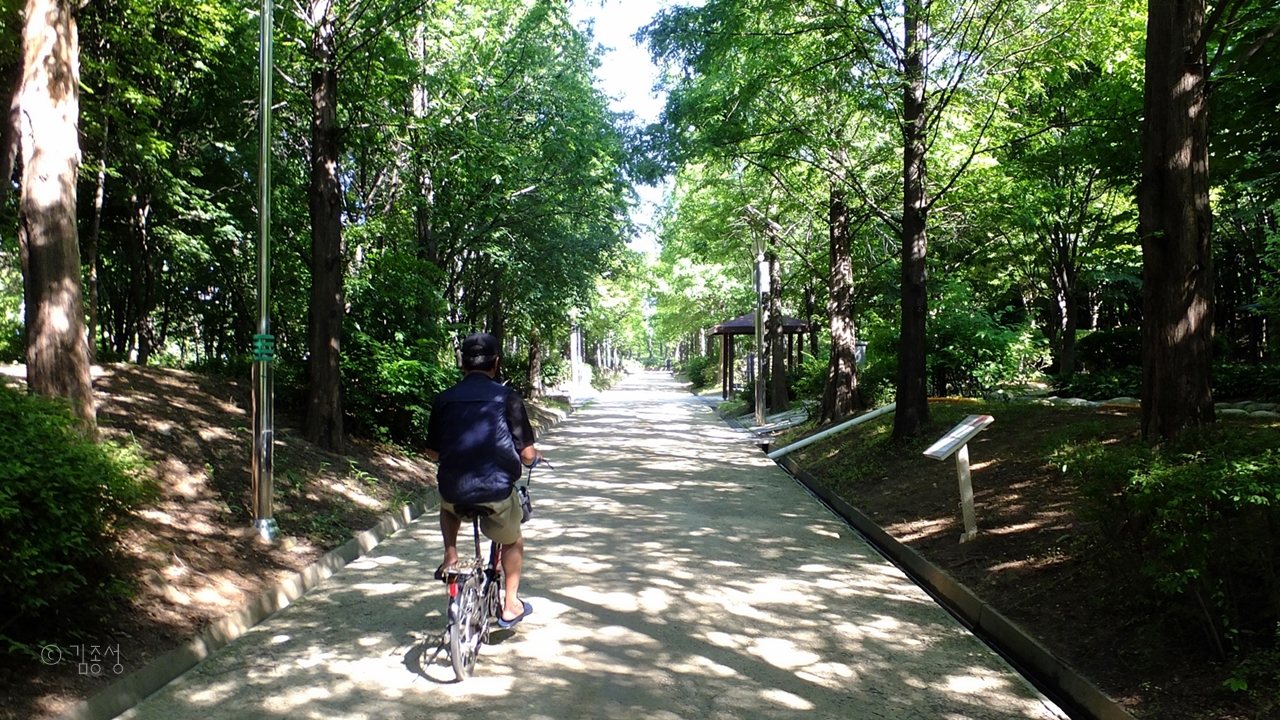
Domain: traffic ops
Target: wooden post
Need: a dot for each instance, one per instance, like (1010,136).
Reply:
(966,494)
(725,367)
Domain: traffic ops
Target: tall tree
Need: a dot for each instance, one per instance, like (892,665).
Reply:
(57,351)
(840,393)
(1174,222)
(324,396)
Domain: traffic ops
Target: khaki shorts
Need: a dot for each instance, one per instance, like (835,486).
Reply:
(503,525)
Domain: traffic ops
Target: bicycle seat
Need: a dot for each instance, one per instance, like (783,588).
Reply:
(471,512)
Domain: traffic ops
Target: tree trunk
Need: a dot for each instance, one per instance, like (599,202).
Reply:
(10,129)
(142,288)
(324,416)
(778,400)
(1173,221)
(810,313)
(840,394)
(912,413)
(91,243)
(57,352)
(535,368)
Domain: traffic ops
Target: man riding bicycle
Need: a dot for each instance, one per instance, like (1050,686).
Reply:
(480,435)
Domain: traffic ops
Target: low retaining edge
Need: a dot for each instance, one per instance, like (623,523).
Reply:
(1042,666)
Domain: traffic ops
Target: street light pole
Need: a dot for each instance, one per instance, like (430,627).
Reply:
(263,342)
(762,289)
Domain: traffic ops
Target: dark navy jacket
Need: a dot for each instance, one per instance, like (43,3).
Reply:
(479,428)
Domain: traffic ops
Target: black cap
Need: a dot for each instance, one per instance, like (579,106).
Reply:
(479,349)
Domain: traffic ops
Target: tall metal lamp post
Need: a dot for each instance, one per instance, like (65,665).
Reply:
(264,344)
(762,289)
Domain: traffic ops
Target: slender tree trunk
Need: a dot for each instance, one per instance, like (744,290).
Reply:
(57,352)
(1174,222)
(778,400)
(810,316)
(10,129)
(324,416)
(91,243)
(840,394)
(144,280)
(912,413)
(535,368)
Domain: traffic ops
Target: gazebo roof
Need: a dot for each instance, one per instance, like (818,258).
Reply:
(746,325)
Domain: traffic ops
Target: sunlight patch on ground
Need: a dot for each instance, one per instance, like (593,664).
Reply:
(783,653)
(351,494)
(786,699)
(911,531)
(1028,564)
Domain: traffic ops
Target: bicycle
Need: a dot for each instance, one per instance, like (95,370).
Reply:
(477,592)
(477,589)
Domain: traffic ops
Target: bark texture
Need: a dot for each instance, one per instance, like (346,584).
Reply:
(324,406)
(57,351)
(840,394)
(1174,222)
(778,400)
(912,413)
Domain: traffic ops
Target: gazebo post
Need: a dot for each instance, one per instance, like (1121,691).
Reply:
(724,365)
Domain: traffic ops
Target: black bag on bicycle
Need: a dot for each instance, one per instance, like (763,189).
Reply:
(526,505)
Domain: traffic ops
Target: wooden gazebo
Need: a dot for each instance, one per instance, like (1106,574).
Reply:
(746,325)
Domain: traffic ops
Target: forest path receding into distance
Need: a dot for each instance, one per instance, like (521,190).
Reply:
(674,571)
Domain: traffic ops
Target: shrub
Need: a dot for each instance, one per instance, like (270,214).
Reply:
(1110,349)
(1199,519)
(396,355)
(700,370)
(809,379)
(1246,382)
(13,340)
(63,499)
(1100,385)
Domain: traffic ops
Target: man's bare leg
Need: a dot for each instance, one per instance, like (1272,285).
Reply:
(512,561)
(449,526)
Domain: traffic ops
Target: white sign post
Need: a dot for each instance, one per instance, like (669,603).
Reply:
(957,441)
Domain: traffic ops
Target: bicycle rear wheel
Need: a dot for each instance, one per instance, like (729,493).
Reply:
(467,625)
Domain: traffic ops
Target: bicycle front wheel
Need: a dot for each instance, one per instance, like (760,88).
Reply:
(467,627)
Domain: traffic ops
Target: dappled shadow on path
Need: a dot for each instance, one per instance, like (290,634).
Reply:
(674,572)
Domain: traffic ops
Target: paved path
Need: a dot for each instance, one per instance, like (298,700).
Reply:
(674,572)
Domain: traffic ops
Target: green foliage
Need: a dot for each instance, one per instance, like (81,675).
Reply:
(396,357)
(970,350)
(63,499)
(809,378)
(1110,349)
(1199,519)
(515,370)
(1231,381)
(13,338)
(1101,385)
(1238,381)
(700,371)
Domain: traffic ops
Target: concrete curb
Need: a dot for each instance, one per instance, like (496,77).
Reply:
(1081,698)
(137,686)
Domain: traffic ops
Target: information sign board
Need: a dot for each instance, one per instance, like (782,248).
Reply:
(959,436)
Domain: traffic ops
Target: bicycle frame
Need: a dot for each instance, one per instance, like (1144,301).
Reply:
(475,600)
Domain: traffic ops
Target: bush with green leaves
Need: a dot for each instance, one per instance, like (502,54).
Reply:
(700,371)
(396,355)
(1234,381)
(1200,519)
(515,371)
(63,500)
(1109,349)
(1101,384)
(809,378)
